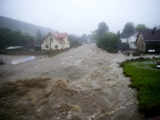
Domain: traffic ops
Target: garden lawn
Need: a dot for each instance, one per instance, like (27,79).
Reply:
(146,79)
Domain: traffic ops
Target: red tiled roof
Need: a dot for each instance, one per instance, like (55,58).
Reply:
(60,36)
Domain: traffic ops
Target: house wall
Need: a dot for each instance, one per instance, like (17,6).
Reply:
(131,41)
(153,45)
(55,45)
(140,44)
(46,44)
(67,43)
(51,43)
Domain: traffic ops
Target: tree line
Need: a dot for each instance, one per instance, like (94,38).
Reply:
(102,36)
(111,41)
(9,37)
(15,38)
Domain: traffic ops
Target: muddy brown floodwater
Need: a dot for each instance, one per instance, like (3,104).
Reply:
(84,83)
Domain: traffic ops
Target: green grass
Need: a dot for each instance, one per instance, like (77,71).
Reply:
(146,79)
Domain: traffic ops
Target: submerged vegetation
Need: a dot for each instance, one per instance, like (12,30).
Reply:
(145,78)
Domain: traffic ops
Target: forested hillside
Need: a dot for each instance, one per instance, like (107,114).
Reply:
(23,27)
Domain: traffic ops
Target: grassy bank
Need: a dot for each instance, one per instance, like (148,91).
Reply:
(146,79)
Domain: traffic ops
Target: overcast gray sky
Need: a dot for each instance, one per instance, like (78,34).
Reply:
(82,16)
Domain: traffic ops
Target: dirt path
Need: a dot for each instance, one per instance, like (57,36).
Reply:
(101,91)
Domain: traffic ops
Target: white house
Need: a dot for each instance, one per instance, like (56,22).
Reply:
(131,41)
(55,41)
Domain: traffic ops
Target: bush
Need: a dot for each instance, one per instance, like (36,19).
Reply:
(109,42)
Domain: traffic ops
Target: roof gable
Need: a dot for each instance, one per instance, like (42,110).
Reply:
(58,37)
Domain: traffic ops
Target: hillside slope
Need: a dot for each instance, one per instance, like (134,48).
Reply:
(22,26)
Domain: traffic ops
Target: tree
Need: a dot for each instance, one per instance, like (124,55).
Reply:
(129,30)
(14,38)
(74,41)
(38,39)
(84,39)
(102,29)
(5,36)
(140,27)
(109,41)
(119,34)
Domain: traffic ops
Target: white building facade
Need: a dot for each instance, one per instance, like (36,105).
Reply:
(55,41)
(131,41)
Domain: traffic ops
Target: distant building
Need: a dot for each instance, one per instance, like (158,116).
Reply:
(148,41)
(55,41)
(131,41)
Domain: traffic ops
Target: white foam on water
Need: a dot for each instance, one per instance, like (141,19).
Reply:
(14,62)
(158,66)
